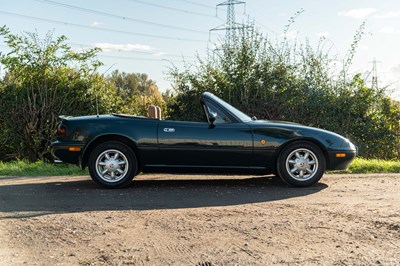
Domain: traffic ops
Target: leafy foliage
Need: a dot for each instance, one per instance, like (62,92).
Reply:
(45,79)
(137,92)
(283,81)
(271,80)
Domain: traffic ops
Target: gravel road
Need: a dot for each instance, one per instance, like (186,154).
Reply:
(200,221)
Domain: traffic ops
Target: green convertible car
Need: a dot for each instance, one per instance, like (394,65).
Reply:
(117,147)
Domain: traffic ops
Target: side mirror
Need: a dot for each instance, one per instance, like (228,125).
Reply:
(211,118)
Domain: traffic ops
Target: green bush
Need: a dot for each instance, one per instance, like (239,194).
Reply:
(283,81)
(45,79)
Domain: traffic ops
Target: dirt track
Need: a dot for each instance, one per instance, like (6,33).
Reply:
(200,220)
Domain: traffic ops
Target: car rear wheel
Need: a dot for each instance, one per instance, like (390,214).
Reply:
(112,164)
(301,164)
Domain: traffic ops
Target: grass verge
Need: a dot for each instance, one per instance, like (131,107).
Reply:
(23,168)
(372,166)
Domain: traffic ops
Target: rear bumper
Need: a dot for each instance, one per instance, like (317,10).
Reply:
(340,163)
(62,151)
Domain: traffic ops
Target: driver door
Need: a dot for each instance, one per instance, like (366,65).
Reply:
(225,144)
(198,144)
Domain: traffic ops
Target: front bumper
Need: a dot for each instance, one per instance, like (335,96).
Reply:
(342,162)
(67,152)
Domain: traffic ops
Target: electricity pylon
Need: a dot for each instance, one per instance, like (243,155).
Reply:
(374,74)
(230,26)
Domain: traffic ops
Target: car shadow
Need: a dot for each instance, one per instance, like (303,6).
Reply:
(35,199)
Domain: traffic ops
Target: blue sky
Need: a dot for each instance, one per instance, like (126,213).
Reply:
(147,36)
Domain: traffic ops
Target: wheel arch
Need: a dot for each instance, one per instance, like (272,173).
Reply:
(310,140)
(106,138)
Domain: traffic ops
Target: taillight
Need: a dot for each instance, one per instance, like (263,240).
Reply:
(61,130)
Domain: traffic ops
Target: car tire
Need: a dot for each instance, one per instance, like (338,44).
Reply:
(112,164)
(301,164)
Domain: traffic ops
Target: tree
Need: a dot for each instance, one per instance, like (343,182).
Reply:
(137,92)
(45,79)
(130,84)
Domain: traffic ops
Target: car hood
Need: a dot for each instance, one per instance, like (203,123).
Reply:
(289,125)
(327,138)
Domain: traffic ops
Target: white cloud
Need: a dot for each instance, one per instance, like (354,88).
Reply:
(322,34)
(109,47)
(390,30)
(395,71)
(159,54)
(392,14)
(359,13)
(95,24)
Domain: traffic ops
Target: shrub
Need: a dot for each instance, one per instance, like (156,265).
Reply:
(283,81)
(45,79)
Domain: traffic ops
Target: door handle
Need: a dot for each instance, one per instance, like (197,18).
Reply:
(169,130)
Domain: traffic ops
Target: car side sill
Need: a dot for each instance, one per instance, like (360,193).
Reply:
(204,166)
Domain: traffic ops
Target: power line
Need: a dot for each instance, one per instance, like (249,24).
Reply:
(269,29)
(128,57)
(100,28)
(197,4)
(139,58)
(174,9)
(259,23)
(117,16)
(136,52)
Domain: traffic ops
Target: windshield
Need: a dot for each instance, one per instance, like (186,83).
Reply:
(239,114)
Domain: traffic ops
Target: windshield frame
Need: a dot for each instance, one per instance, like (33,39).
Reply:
(237,114)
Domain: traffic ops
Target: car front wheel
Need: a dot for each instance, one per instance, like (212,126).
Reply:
(112,164)
(301,164)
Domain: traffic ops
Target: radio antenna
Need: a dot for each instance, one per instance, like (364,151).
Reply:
(97,101)
(97,106)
